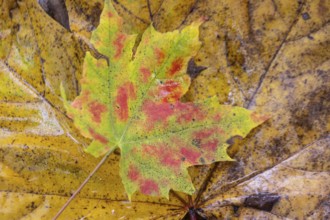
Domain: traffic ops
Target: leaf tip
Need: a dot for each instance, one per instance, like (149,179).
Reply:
(260,118)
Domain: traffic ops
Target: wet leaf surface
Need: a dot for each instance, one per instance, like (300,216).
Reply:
(269,56)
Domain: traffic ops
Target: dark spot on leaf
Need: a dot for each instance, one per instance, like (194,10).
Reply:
(32,206)
(306,16)
(235,210)
(202,160)
(196,142)
(262,201)
(193,70)
(311,38)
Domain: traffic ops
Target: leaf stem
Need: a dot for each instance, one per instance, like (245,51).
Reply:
(84,183)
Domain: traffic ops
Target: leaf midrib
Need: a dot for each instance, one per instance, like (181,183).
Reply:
(169,133)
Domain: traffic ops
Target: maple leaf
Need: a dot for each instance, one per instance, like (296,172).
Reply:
(134,104)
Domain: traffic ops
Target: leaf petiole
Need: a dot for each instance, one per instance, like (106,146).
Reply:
(105,157)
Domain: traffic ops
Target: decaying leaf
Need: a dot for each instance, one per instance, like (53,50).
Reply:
(295,177)
(134,104)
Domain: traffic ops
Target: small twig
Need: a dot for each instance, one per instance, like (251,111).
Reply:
(150,12)
(84,183)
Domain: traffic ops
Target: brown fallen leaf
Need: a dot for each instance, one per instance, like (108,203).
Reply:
(300,184)
(269,56)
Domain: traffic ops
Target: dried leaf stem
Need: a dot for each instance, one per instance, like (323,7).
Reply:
(84,183)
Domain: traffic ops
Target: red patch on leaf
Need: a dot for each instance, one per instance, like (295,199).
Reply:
(125,93)
(190,155)
(83,98)
(164,155)
(98,137)
(168,160)
(133,173)
(210,145)
(145,74)
(204,134)
(96,109)
(189,112)
(157,111)
(159,55)
(149,187)
(170,91)
(110,14)
(217,117)
(119,45)
(175,66)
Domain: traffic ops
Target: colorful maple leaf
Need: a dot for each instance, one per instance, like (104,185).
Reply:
(134,104)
